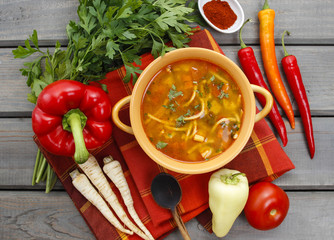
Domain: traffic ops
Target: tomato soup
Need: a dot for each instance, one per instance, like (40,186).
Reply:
(192,110)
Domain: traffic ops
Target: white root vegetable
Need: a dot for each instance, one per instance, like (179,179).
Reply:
(114,171)
(94,172)
(83,185)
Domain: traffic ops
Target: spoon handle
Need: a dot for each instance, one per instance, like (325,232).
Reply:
(180,224)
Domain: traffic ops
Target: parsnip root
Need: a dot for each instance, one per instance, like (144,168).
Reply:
(94,172)
(83,185)
(113,170)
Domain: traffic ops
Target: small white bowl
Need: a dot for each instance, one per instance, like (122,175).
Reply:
(235,6)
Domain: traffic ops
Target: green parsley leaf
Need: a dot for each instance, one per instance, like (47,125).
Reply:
(222,95)
(212,78)
(161,145)
(170,106)
(173,93)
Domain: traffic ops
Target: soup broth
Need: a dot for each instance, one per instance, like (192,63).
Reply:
(192,110)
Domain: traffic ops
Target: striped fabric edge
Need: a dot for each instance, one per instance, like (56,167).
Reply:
(256,142)
(213,42)
(263,154)
(66,174)
(85,206)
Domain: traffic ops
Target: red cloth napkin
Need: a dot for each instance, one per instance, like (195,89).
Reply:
(261,159)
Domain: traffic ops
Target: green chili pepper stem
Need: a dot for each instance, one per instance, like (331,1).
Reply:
(231,179)
(76,120)
(285,51)
(38,159)
(242,44)
(265,5)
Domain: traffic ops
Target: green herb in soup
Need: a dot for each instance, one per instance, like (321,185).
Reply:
(192,110)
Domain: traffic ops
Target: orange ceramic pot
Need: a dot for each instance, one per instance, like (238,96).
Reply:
(249,116)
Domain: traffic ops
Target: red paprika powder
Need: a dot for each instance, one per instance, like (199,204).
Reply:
(220,14)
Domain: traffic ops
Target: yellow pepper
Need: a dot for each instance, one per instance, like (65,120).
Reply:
(228,193)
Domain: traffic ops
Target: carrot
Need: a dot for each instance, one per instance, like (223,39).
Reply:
(188,82)
(267,43)
(114,171)
(94,172)
(82,184)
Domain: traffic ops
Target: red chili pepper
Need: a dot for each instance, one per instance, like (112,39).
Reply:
(294,77)
(251,69)
(71,117)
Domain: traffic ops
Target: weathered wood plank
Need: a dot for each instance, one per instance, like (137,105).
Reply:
(315,63)
(310,22)
(19,18)
(17,156)
(35,215)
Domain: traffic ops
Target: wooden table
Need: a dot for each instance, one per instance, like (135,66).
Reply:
(26,212)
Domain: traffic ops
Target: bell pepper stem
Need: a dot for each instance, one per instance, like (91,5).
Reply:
(75,121)
(285,51)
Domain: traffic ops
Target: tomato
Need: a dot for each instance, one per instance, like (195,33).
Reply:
(267,206)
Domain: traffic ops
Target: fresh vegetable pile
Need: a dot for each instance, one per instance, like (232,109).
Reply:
(265,205)
(93,177)
(291,69)
(108,34)
(252,71)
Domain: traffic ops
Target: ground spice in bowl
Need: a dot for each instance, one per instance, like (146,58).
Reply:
(220,14)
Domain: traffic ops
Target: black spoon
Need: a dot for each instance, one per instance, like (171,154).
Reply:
(167,193)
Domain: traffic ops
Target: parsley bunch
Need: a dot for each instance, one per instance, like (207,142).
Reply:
(109,34)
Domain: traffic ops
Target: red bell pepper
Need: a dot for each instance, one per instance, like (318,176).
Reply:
(252,71)
(294,77)
(71,117)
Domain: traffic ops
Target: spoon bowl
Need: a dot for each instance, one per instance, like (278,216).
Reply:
(167,193)
(237,9)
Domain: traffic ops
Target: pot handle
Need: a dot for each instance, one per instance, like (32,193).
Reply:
(269,101)
(117,107)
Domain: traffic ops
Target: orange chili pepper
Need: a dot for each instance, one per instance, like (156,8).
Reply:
(266,17)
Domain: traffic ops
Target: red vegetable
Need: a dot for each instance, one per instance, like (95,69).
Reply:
(294,77)
(267,206)
(251,69)
(71,117)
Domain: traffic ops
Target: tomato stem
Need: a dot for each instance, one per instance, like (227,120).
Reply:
(273,212)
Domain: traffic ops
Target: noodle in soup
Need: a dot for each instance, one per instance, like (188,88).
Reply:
(192,110)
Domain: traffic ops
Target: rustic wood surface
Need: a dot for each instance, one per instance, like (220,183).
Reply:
(26,212)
